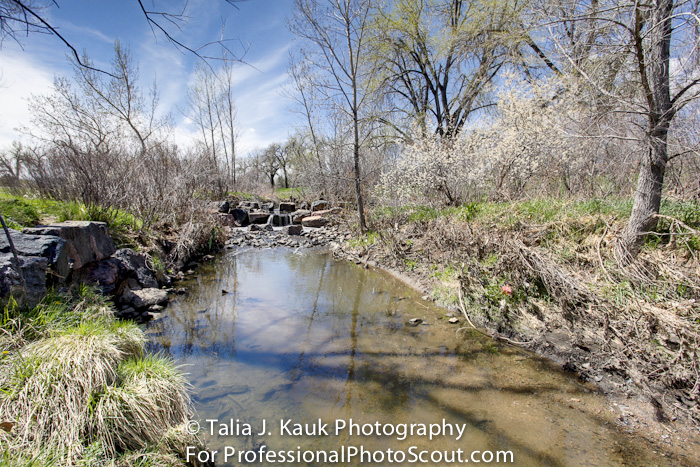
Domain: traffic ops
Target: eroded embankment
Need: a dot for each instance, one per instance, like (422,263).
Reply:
(556,288)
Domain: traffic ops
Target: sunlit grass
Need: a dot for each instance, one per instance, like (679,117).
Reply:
(78,390)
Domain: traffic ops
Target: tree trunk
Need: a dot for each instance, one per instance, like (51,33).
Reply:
(647,202)
(358,175)
(654,75)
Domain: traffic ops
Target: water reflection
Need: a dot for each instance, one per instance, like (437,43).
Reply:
(302,336)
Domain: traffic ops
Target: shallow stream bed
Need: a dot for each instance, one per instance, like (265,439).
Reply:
(304,337)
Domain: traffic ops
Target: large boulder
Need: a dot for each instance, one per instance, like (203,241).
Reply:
(287,207)
(314,221)
(109,275)
(319,205)
(85,241)
(144,298)
(298,216)
(240,216)
(258,217)
(135,265)
(223,207)
(34,272)
(49,247)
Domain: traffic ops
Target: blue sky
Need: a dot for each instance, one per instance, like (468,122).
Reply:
(92,25)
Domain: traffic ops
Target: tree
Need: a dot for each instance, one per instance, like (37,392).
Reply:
(440,58)
(338,32)
(641,60)
(12,161)
(213,110)
(284,156)
(269,163)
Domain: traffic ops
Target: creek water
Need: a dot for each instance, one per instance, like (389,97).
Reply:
(304,337)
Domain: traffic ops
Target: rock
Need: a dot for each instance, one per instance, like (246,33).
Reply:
(336,210)
(254,228)
(135,266)
(144,298)
(314,221)
(287,207)
(156,308)
(224,207)
(240,216)
(294,230)
(85,241)
(415,321)
(319,205)
(34,272)
(107,274)
(280,220)
(258,217)
(453,320)
(298,216)
(268,206)
(52,248)
(267,227)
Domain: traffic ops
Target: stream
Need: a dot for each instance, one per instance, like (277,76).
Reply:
(305,339)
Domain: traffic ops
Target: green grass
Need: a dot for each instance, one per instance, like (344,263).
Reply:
(18,213)
(23,211)
(288,193)
(241,195)
(79,389)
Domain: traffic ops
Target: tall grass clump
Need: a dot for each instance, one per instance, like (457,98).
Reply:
(76,389)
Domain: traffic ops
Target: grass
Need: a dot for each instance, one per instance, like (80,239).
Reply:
(24,211)
(78,390)
(288,193)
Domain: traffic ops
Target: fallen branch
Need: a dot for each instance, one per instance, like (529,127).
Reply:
(491,334)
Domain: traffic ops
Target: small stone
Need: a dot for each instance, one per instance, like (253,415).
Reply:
(426,297)
(415,321)
(453,320)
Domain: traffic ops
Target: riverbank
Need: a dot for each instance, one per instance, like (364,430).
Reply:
(542,276)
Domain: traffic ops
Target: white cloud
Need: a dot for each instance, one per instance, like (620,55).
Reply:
(21,77)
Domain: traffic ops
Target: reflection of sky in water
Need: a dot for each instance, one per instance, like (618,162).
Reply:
(303,336)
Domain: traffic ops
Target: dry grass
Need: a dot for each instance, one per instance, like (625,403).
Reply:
(78,390)
(637,326)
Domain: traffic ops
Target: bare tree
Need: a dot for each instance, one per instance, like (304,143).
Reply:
(13,161)
(440,58)
(306,99)
(641,60)
(338,32)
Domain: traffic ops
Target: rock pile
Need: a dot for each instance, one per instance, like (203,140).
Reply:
(251,213)
(77,252)
(287,237)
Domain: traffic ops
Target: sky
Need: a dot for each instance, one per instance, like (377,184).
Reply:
(258,33)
